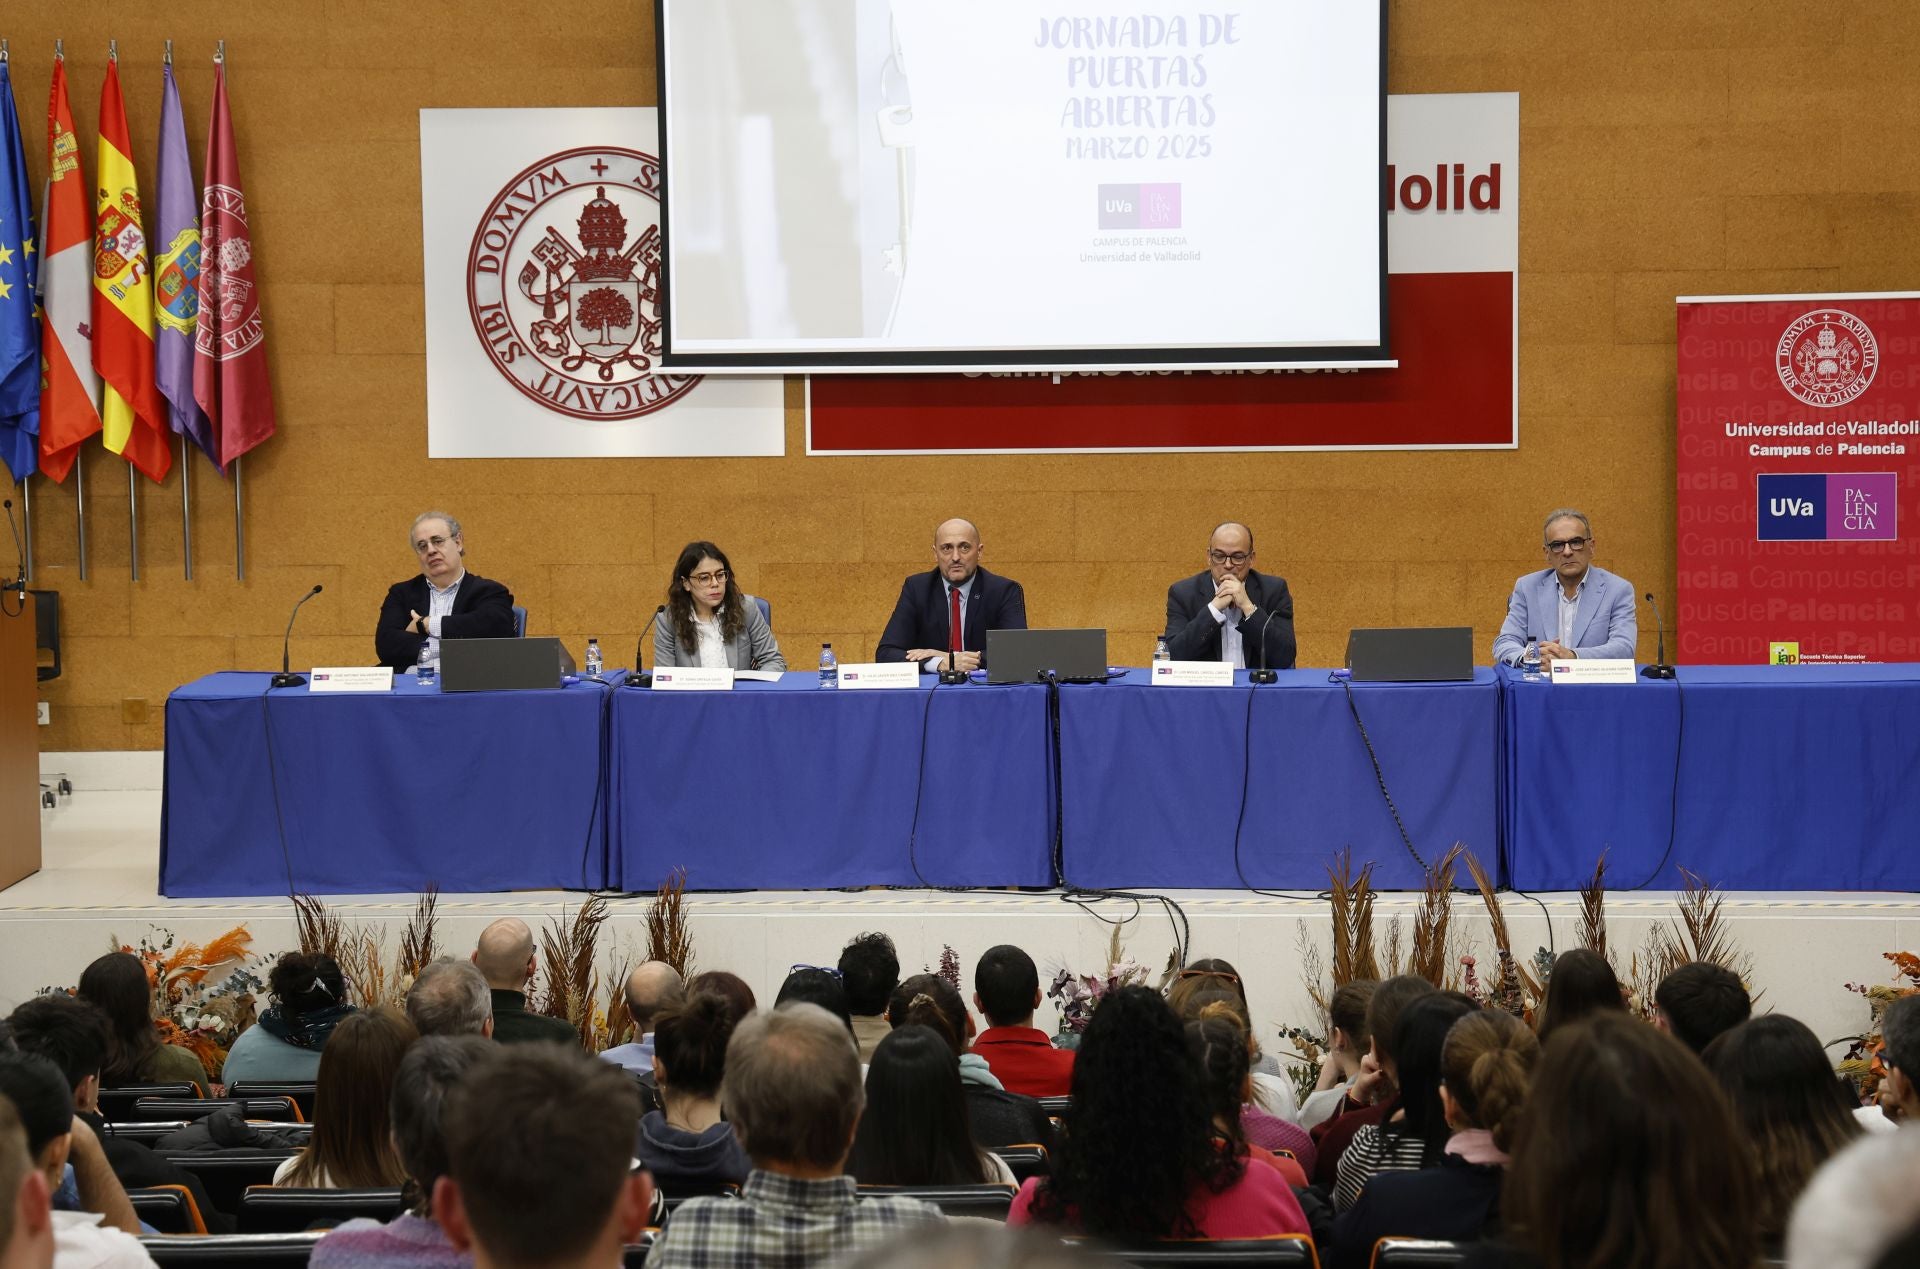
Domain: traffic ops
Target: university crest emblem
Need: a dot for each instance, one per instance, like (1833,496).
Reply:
(1827,357)
(563,284)
(176,283)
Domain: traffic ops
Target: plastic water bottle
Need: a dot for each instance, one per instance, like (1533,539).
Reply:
(1530,662)
(424,670)
(829,667)
(1160,651)
(593,658)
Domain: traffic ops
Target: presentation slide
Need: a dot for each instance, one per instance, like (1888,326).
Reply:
(899,182)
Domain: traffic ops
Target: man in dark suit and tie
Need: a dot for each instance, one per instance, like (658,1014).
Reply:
(949,610)
(1229,611)
(444,602)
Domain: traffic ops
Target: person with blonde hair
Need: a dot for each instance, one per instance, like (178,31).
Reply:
(1486,1065)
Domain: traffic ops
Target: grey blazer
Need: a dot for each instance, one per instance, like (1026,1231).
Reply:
(752,649)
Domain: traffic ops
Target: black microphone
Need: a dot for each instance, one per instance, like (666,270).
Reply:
(19,582)
(1263,674)
(285,678)
(952,675)
(1659,669)
(638,676)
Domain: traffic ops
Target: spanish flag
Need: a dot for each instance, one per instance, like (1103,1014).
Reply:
(134,415)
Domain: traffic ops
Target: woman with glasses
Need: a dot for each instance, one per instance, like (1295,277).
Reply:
(708,621)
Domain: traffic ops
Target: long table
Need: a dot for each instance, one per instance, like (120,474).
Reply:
(379,794)
(1755,777)
(1153,780)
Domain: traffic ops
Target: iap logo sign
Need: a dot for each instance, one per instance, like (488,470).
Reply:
(1855,507)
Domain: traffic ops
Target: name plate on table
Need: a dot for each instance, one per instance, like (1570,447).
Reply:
(864,676)
(1192,674)
(350,678)
(693,678)
(1594,670)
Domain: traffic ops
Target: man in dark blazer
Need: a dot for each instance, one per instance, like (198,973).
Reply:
(444,602)
(924,627)
(1227,612)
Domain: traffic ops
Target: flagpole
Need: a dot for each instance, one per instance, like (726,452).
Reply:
(26,508)
(80,508)
(186,509)
(239,528)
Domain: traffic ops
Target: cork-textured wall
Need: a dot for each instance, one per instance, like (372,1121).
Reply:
(1679,147)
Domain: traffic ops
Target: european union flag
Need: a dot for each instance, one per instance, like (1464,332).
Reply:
(19,324)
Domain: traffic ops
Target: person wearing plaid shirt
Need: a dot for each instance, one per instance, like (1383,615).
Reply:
(794,1097)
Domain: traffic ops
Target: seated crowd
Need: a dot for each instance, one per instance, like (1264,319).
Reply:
(832,1126)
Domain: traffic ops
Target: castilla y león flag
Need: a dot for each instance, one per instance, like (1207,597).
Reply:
(134,415)
(70,395)
(230,361)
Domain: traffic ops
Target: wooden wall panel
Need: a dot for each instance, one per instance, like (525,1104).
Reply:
(1667,147)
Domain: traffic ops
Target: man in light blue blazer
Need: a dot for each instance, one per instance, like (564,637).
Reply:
(1574,608)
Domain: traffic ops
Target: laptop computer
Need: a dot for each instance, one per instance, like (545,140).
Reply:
(495,665)
(1433,654)
(1023,656)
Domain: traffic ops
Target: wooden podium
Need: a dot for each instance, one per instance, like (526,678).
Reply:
(19,746)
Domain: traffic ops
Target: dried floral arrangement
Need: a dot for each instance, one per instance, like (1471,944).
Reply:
(1080,994)
(1865,1059)
(594,1001)
(949,970)
(355,947)
(1701,935)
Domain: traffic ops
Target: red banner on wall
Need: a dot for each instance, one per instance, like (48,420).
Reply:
(1452,195)
(1799,457)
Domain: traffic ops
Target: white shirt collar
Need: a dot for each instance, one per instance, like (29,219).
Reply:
(450,587)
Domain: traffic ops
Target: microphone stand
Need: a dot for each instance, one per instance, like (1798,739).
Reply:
(952,676)
(1263,674)
(286,678)
(1659,669)
(638,676)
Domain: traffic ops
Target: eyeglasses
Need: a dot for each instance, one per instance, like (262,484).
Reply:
(1567,544)
(1222,557)
(824,969)
(708,579)
(958,549)
(434,543)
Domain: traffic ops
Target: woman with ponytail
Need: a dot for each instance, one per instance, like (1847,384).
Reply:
(1486,1065)
(687,1143)
(997,1117)
(1220,1046)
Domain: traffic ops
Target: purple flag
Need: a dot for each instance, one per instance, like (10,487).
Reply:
(176,274)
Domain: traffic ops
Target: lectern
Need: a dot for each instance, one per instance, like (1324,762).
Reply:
(19,746)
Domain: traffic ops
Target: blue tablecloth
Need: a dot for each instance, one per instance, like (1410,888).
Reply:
(785,786)
(1790,778)
(380,793)
(1151,779)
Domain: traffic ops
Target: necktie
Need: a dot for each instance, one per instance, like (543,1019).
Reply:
(953,600)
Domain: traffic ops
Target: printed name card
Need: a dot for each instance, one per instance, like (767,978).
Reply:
(872,676)
(1594,670)
(692,678)
(1192,674)
(350,678)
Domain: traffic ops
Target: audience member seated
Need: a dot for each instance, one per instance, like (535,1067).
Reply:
(1626,1155)
(998,1117)
(540,1160)
(1414,1134)
(870,970)
(450,997)
(1484,1071)
(1791,1109)
(1698,1001)
(352,1145)
(1139,1160)
(1900,1090)
(1582,983)
(1192,998)
(812,985)
(1213,971)
(729,987)
(72,1034)
(1347,1041)
(505,956)
(1006,991)
(652,988)
(1222,1050)
(1373,1095)
(1859,1207)
(793,1092)
(26,1210)
(915,1129)
(103,1232)
(117,984)
(414,1239)
(688,1144)
(309,997)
